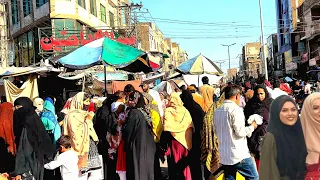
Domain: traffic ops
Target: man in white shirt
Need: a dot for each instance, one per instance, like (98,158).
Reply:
(155,95)
(229,125)
(67,160)
(277,91)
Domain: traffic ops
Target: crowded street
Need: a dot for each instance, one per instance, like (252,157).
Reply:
(159,90)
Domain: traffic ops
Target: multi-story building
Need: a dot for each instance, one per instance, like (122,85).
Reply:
(251,61)
(41,28)
(287,23)
(151,39)
(179,55)
(274,64)
(310,12)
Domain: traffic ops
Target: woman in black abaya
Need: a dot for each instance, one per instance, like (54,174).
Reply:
(139,144)
(105,121)
(197,115)
(34,147)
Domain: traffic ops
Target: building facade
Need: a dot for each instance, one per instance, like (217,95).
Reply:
(251,62)
(42,28)
(288,24)
(4,35)
(150,37)
(232,73)
(274,64)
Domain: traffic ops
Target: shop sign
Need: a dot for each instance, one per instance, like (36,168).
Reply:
(56,44)
(288,56)
(312,62)
(301,47)
(112,76)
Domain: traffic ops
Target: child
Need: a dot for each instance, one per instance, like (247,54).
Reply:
(67,160)
(116,142)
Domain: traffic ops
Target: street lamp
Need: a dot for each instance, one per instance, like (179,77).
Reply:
(220,62)
(262,42)
(228,51)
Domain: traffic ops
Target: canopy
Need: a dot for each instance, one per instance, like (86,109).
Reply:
(124,57)
(19,71)
(168,86)
(107,51)
(199,65)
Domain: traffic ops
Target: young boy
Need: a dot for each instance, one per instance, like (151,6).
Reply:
(67,160)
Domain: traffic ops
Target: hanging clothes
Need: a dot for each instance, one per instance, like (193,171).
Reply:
(28,89)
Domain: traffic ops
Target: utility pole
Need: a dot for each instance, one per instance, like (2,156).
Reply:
(262,42)
(229,51)
(132,9)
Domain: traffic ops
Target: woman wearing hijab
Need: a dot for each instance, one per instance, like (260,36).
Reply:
(197,115)
(105,121)
(49,120)
(178,129)
(34,148)
(259,104)
(78,124)
(283,150)
(139,144)
(7,144)
(310,121)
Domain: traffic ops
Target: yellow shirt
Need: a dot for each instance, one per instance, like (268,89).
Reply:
(207,93)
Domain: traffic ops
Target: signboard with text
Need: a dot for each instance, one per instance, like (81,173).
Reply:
(52,41)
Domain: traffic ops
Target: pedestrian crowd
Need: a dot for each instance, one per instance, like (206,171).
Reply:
(255,130)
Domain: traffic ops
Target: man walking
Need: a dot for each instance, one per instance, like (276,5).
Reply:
(229,125)
(207,93)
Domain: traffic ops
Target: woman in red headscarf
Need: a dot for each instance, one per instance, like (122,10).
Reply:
(8,146)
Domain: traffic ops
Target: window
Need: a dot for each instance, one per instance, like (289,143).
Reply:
(82,3)
(15,11)
(111,19)
(103,13)
(39,3)
(124,14)
(93,7)
(27,7)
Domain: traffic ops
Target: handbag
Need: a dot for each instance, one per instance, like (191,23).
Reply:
(313,172)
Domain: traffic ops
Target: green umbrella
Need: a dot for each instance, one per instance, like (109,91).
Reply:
(124,57)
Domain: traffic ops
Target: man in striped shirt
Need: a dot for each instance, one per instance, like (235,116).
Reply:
(229,125)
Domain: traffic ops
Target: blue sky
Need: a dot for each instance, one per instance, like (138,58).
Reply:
(211,23)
